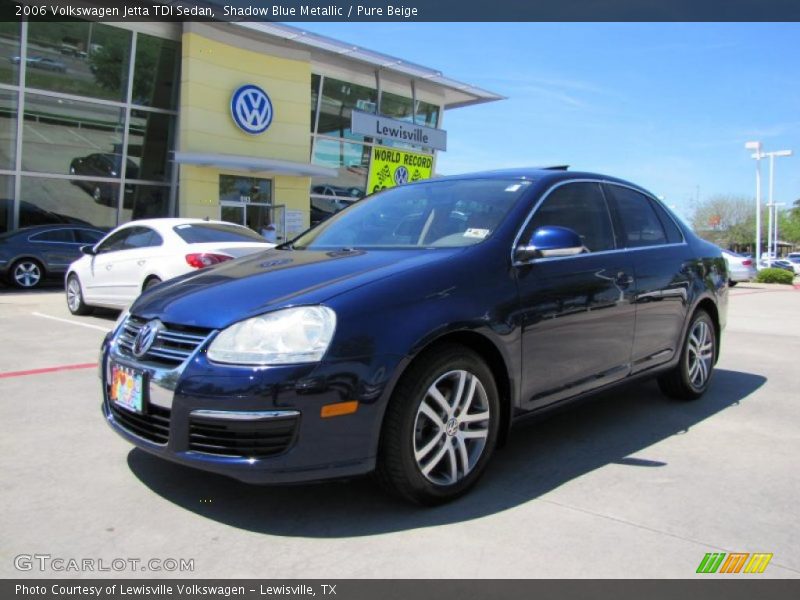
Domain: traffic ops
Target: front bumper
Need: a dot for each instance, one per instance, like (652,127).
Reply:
(258,425)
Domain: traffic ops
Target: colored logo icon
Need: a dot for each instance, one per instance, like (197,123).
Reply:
(400,175)
(251,109)
(736,562)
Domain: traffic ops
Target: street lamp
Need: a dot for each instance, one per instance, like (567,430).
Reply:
(775,208)
(758,156)
(772,249)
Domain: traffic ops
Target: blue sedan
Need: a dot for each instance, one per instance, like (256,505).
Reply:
(407,333)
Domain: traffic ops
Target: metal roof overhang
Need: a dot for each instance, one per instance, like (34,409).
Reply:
(456,93)
(249,163)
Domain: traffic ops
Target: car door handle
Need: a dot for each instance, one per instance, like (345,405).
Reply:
(109,267)
(141,262)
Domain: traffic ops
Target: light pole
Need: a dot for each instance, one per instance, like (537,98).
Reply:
(772,249)
(775,244)
(758,156)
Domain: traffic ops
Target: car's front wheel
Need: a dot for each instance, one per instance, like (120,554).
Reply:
(440,428)
(26,273)
(690,378)
(75,302)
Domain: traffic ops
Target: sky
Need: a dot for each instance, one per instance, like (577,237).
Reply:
(668,106)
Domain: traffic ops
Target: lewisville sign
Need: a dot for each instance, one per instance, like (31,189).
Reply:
(402,131)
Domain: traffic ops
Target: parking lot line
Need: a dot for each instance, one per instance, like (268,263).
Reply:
(98,327)
(48,370)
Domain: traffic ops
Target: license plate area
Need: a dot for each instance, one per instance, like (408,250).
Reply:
(126,388)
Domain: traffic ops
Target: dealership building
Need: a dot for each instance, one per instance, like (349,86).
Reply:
(252,122)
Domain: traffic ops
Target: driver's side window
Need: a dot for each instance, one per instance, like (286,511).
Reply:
(114,242)
(578,206)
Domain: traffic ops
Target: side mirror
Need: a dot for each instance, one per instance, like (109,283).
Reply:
(550,241)
(88,250)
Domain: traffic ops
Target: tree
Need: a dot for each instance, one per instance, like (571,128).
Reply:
(725,220)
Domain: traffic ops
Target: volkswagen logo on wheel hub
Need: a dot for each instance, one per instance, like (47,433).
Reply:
(145,338)
(251,109)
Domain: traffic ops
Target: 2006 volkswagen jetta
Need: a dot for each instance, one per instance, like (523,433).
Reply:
(408,332)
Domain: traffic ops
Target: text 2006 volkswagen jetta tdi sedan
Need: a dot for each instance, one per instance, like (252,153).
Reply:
(405,334)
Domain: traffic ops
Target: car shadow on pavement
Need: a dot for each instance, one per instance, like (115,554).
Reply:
(539,457)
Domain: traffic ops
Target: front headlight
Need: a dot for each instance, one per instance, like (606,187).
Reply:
(292,335)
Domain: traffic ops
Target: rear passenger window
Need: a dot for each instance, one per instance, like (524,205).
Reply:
(640,223)
(674,235)
(57,235)
(580,207)
(87,236)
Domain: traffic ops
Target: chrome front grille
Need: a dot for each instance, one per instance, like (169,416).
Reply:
(172,345)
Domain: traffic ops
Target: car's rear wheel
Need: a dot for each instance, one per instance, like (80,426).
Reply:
(690,378)
(732,283)
(26,273)
(440,428)
(75,301)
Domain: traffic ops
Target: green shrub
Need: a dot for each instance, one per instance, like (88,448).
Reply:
(774,276)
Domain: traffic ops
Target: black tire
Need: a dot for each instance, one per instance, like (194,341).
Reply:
(150,282)
(684,382)
(26,274)
(456,443)
(75,302)
(732,283)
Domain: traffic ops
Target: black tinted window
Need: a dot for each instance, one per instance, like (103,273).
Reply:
(57,235)
(674,235)
(199,233)
(87,236)
(580,207)
(114,242)
(640,223)
(142,237)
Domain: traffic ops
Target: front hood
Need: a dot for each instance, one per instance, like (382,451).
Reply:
(216,297)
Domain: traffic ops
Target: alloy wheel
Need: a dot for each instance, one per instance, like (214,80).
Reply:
(74,294)
(451,427)
(700,354)
(27,274)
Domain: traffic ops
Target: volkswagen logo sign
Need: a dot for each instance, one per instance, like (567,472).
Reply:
(251,109)
(145,338)
(401,175)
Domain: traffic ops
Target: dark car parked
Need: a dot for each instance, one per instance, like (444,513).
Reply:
(31,254)
(406,334)
(102,165)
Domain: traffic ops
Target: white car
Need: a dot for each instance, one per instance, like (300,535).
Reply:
(740,268)
(140,254)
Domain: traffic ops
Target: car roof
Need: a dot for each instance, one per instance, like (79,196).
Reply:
(170,222)
(548,174)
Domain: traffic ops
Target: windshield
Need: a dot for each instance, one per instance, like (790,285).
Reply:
(433,214)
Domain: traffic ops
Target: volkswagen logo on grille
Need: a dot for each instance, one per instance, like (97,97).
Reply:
(145,338)
(251,109)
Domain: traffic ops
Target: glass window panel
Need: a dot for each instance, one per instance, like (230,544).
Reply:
(69,137)
(6,202)
(8,129)
(59,200)
(396,107)
(233,188)
(149,143)
(427,114)
(56,235)
(155,72)
(315,80)
(9,52)
(79,57)
(338,100)
(329,195)
(145,202)
(87,236)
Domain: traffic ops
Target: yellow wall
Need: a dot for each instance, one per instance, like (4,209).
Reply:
(211,71)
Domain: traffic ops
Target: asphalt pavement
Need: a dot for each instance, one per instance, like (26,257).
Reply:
(629,484)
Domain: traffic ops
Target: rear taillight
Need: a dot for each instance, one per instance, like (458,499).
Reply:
(206,259)
(747,263)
